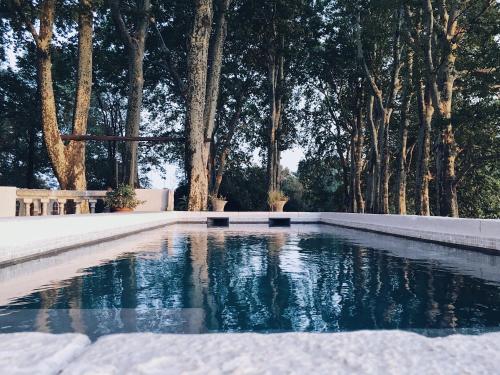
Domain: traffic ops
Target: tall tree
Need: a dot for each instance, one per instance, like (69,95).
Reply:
(384,109)
(276,77)
(135,42)
(443,35)
(404,124)
(68,161)
(204,72)
(196,97)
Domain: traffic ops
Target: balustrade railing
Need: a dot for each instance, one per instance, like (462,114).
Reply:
(50,202)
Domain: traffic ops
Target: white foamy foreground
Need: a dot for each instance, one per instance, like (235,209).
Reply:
(365,352)
(39,353)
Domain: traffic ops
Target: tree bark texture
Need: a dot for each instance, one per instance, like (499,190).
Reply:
(196,156)
(135,44)
(215,55)
(403,135)
(373,195)
(276,78)
(68,161)
(443,34)
(425,113)
(357,153)
(383,111)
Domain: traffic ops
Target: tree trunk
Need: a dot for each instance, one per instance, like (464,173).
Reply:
(383,110)
(375,157)
(369,187)
(135,43)
(353,204)
(385,160)
(226,147)
(68,161)
(447,154)
(196,156)
(358,154)
(425,113)
(276,77)
(443,33)
(345,171)
(136,83)
(213,79)
(403,134)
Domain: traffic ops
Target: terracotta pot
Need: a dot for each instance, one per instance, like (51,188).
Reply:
(278,206)
(218,205)
(121,209)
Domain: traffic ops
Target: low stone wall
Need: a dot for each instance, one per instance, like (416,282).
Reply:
(43,202)
(27,237)
(155,200)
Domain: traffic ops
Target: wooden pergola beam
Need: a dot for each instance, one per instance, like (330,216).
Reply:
(86,137)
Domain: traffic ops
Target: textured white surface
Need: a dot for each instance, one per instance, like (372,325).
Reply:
(375,352)
(39,353)
(7,201)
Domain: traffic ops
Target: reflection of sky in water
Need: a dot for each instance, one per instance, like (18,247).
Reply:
(224,281)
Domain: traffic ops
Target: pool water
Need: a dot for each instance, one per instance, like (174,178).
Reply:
(304,278)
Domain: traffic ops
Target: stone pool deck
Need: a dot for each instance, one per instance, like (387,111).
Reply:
(363,352)
(24,238)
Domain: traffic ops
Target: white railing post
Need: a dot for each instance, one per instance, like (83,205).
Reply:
(78,206)
(27,206)
(45,206)
(60,205)
(36,207)
(92,203)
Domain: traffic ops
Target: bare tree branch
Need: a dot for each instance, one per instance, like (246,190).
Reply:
(120,23)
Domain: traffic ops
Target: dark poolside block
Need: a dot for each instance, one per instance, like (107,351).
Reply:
(279,222)
(217,221)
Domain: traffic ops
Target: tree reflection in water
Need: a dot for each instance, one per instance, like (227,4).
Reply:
(224,281)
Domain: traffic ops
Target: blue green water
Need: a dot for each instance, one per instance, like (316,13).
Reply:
(326,280)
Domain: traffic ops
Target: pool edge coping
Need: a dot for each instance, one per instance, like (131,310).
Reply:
(450,239)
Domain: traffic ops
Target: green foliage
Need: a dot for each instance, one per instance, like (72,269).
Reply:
(294,192)
(123,196)
(322,185)
(245,188)
(23,158)
(321,74)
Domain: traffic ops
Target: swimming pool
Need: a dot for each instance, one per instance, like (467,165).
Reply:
(251,278)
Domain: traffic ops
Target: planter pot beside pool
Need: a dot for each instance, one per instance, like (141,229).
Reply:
(218,205)
(278,206)
(122,209)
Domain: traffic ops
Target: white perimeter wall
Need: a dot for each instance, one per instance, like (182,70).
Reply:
(24,237)
(7,201)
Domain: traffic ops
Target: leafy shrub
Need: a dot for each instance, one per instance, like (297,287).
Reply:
(123,197)
(276,196)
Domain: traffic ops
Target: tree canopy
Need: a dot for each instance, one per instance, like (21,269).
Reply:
(395,103)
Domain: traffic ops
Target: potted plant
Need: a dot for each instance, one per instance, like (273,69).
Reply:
(276,200)
(123,199)
(218,202)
